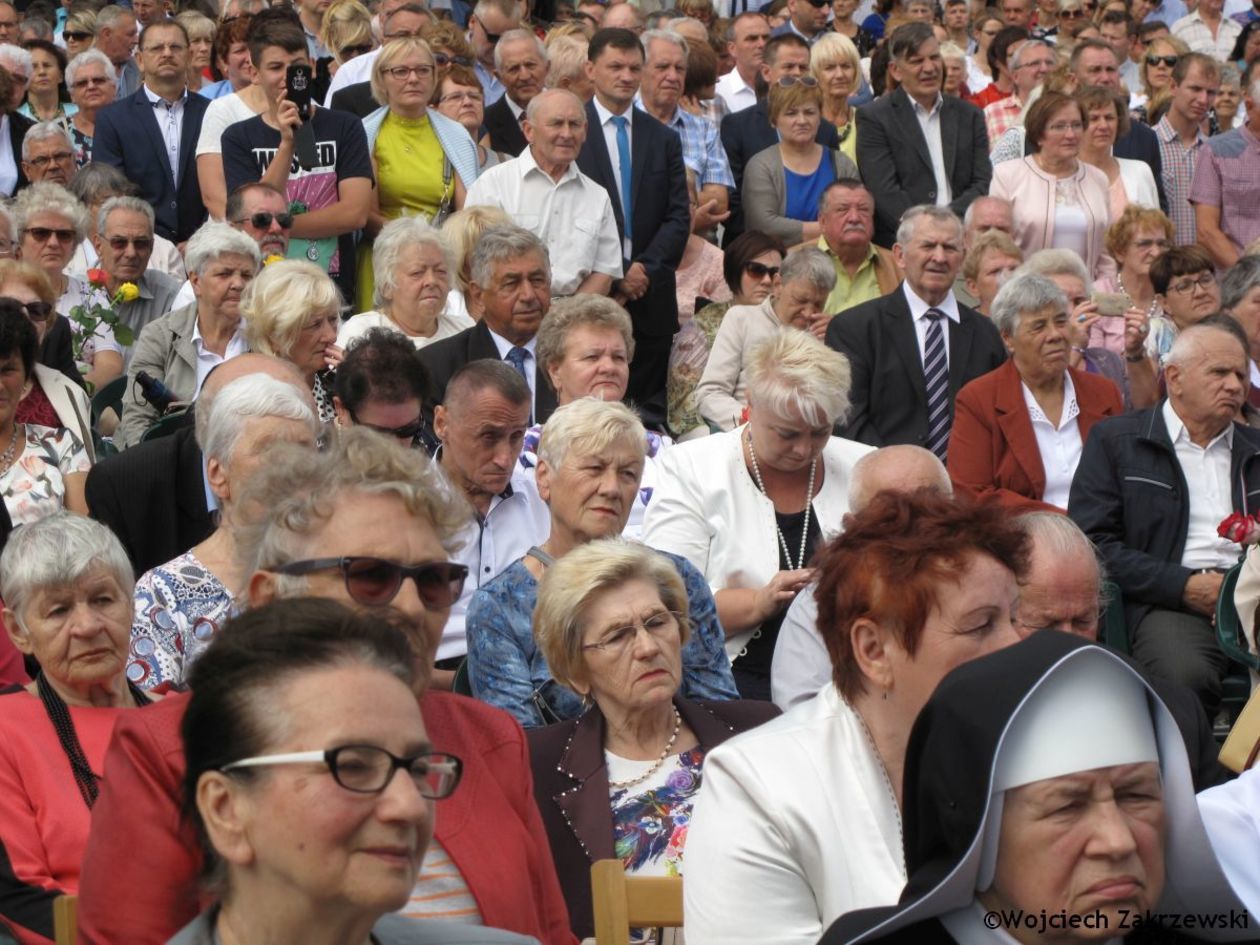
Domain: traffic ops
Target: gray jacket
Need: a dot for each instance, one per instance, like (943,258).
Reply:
(165,352)
(765,193)
(390,930)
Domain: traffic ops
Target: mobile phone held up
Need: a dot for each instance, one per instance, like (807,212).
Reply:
(298,81)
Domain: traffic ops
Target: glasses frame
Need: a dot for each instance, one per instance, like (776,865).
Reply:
(457,573)
(120,243)
(38,311)
(612,648)
(787,81)
(1169,61)
(1205,280)
(752,266)
(262,220)
(330,755)
(63,236)
(408,431)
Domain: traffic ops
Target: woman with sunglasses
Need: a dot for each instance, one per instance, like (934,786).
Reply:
(612,621)
(347,32)
(1156,71)
(783,183)
(312,779)
(80,31)
(180,605)
(424,161)
(750,266)
(92,82)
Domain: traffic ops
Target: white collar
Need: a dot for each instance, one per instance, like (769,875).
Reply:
(605,115)
(920,110)
(918,307)
(1177,430)
(516,110)
(529,166)
(505,346)
(1071,409)
(155,99)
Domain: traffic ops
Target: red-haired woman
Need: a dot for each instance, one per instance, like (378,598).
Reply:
(805,809)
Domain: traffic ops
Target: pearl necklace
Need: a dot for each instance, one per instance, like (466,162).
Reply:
(809,499)
(6,459)
(630,782)
(1150,309)
(883,769)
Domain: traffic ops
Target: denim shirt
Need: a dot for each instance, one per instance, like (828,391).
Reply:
(507,669)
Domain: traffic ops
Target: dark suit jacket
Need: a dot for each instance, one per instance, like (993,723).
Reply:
(128,137)
(19,125)
(153,497)
(992,447)
(889,394)
(745,133)
(897,168)
(661,221)
(504,130)
(443,358)
(1130,497)
(571,787)
(355,99)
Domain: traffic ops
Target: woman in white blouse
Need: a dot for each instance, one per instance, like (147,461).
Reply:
(749,506)
(1129,182)
(412,267)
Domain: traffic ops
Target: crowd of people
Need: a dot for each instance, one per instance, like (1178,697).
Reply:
(707,437)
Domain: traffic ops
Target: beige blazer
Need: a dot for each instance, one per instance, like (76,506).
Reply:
(720,393)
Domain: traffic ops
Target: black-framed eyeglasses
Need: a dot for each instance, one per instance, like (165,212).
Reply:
(1076,14)
(374,582)
(120,243)
(1168,61)
(787,81)
(61,157)
(262,220)
(760,270)
(1186,286)
(37,311)
(360,49)
(408,431)
(367,769)
(819,4)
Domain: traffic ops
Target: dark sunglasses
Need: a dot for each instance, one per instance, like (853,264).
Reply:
(349,52)
(787,81)
(42,234)
(491,38)
(408,431)
(119,243)
(75,36)
(37,311)
(819,4)
(1077,14)
(760,270)
(443,60)
(374,582)
(260,221)
(1169,61)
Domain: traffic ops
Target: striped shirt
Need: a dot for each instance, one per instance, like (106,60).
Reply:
(440,891)
(701,147)
(1178,171)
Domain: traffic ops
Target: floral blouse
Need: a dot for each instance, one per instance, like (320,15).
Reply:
(34,487)
(180,606)
(687,361)
(508,670)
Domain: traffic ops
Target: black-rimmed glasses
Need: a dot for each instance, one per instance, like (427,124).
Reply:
(374,582)
(367,769)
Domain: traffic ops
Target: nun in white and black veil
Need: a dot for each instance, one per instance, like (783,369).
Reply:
(1048,798)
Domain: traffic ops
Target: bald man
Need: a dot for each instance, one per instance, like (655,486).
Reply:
(154,496)
(801,665)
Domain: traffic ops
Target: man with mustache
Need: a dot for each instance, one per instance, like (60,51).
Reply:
(576,219)
(1150,491)
(864,271)
(913,349)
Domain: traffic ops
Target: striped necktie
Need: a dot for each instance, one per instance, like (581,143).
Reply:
(936,374)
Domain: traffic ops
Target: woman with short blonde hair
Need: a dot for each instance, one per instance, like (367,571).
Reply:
(835,63)
(347,32)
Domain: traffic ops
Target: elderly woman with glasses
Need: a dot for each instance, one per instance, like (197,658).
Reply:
(312,779)
(412,265)
(748,507)
(179,348)
(750,266)
(784,183)
(590,462)
(424,162)
(621,780)
(92,82)
(807,278)
(66,583)
(180,605)
(1018,431)
(1134,241)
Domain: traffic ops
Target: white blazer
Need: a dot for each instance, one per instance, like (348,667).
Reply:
(707,508)
(795,825)
(71,403)
(1139,183)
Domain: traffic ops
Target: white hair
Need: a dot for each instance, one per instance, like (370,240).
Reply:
(87,58)
(254,395)
(216,239)
(12,57)
(46,131)
(130,204)
(515,35)
(664,36)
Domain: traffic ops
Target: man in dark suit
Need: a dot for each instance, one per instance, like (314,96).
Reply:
(912,350)
(917,146)
(511,279)
(748,131)
(355,99)
(520,62)
(639,162)
(152,135)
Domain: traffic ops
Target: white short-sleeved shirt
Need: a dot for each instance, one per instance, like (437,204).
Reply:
(222,113)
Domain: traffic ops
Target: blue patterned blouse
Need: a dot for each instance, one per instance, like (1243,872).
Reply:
(507,669)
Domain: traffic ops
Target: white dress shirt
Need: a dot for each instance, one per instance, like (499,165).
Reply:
(573,216)
(1059,445)
(1206,470)
(918,312)
(170,121)
(531,365)
(930,123)
(610,141)
(735,92)
(207,359)
(8,160)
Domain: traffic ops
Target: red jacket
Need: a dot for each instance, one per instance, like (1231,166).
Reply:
(139,880)
(992,447)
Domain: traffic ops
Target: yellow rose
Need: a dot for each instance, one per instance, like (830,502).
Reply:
(128,292)
(273,258)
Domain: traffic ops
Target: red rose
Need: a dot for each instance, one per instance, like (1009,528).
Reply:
(1237,528)
(98,277)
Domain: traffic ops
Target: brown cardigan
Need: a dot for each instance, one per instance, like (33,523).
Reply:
(886,272)
(571,788)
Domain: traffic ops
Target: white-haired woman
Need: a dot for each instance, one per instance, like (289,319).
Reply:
(412,266)
(221,261)
(292,311)
(1018,431)
(66,583)
(180,605)
(93,84)
(806,279)
(589,465)
(749,507)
